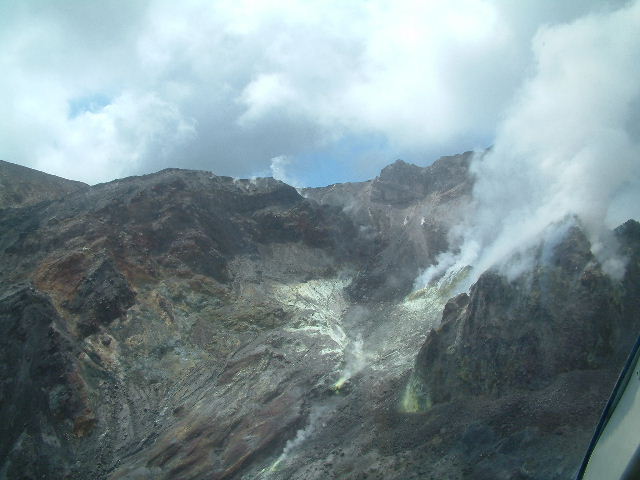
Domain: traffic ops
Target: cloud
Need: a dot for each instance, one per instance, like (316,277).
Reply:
(229,85)
(117,136)
(569,146)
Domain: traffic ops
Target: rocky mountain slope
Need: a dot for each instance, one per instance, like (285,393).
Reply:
(183,325)
(22,186)
(410,210)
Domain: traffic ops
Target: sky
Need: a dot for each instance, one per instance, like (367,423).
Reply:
(312,92)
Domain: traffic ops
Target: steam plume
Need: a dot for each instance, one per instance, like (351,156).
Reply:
(569,146)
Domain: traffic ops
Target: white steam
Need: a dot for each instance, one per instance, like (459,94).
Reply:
(278,169)
(316,416)
(569,145)
(355,359)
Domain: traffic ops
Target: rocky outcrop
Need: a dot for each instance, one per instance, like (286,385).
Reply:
(43,399)
(409,210)
(546,347)
(101,297)
(565,315)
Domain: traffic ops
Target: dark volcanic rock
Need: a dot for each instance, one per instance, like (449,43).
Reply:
(545,348)
(399,183)
(165,293)
(403,183)
(41,395)
(101,298)
(566,315)
(22,186)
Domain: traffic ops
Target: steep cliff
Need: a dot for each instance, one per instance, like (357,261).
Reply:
(410,210)
(544,343)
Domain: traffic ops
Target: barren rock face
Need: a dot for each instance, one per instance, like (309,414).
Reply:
(409,211)
(564,316)
(182,325)
(176,296)
(22,186)
(42,392)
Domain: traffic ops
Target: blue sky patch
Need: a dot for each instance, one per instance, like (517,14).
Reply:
(353,158)
(88,103)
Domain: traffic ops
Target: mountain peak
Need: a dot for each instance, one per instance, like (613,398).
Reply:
(23,186)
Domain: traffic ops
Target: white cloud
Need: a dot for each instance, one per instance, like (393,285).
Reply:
(111,141)
(267,92)
(243,81)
